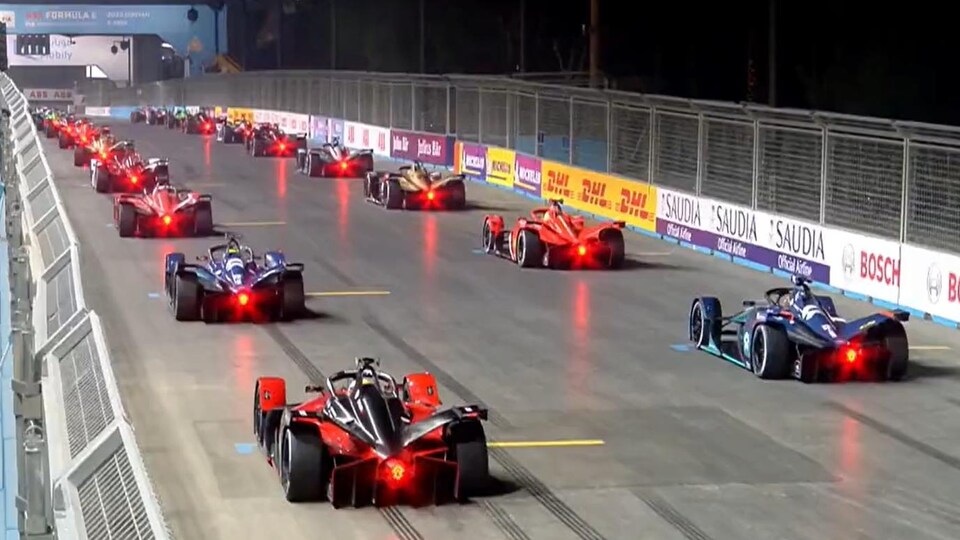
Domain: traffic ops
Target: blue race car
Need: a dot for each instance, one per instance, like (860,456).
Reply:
(232,285)
(797,333)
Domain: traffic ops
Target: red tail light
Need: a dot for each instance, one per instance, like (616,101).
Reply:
(343,165)
(243,299)
(83,139)
(850,354)
(283,146)
(167,220)
(581,250)
(396,471)
(431,195)
(134,179)
(103,155)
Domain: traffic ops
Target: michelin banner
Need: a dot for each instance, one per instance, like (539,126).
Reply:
(473,161)
(527,174)
(500,164)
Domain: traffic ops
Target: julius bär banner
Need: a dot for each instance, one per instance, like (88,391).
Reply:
(425,147)
(608,196)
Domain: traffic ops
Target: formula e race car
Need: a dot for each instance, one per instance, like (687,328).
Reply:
(367,440)
(175,118)
(57,122)
(797,333)
(164,211)
(97,145)
(232,285)
(270,140)
(71,132)
(413,187)
(232,133)
(125,170)
(197,124)
(333,159)
(554,239)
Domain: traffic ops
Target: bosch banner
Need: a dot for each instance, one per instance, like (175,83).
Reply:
(170,22)
(865,265)
(473,161)
(606,196)
(527,175)
(425,147)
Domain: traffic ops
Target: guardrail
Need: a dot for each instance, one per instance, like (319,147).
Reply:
(80,470)
(864,206)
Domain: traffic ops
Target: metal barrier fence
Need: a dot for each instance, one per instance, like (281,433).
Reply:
(80,471)
(896,180)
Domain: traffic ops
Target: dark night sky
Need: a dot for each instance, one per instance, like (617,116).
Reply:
(837,55)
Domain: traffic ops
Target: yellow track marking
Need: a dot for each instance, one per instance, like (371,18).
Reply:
(546,444)
(347,293)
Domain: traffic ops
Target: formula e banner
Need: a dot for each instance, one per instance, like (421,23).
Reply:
(364,136)
(500,164)
(472,160)
(742,233)
(607,196)
(527,175)
(425,147)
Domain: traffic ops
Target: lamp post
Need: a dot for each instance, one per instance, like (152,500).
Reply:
(124,45)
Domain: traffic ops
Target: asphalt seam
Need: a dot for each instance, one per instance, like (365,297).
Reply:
(671,515)
(950,461)
(400,524)
(537,489)
(503,521)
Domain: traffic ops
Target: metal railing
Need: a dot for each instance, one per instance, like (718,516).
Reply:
(80,470)
(897,180)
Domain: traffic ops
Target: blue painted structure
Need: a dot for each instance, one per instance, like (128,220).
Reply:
(167,21)
(8,478)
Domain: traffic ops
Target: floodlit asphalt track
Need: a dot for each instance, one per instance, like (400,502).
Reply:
(694,447)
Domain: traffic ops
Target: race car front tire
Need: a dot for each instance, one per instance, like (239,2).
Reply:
(706,321)
(613,239)
(203,220)
(467,443)
(488,240)
(304,465)
(294,298)
(770,352)
(529,249)
(186,298)
(62,141)
(127,221)
(899,349)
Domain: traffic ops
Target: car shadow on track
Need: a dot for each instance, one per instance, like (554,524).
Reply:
(641,264)
(498,487)
(920,370)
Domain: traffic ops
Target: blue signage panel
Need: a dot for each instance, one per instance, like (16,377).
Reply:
(193,39)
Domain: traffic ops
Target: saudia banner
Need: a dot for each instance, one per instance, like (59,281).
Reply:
(789,245)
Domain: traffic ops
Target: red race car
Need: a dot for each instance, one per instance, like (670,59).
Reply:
(554,239)
(270,140)
(165,211)
(125,170)
(368,440)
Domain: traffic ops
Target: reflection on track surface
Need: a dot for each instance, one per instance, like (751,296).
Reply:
(691,447)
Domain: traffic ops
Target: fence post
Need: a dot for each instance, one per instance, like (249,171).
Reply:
(479,114)
(824,156)
(701,152)
(652,159)
(507,95)
(448,109)
(570,136)
(536,124)
(610,135)
(756,165)
(905,189)
(413,106)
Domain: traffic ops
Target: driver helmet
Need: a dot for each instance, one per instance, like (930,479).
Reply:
(233,249)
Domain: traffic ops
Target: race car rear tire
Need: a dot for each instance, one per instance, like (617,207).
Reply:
(304,465)
(62,141)
(101,180)
(127,221)
(80,156)
(256,148)
(770,356)
(392,194)
(899,349)
(457,195)
(529,249)
(613,238)
(467,443)
(186,299)
(203,220)
(488,240)
(294,298)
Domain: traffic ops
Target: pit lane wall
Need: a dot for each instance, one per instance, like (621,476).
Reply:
(80,469)
(887,273)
